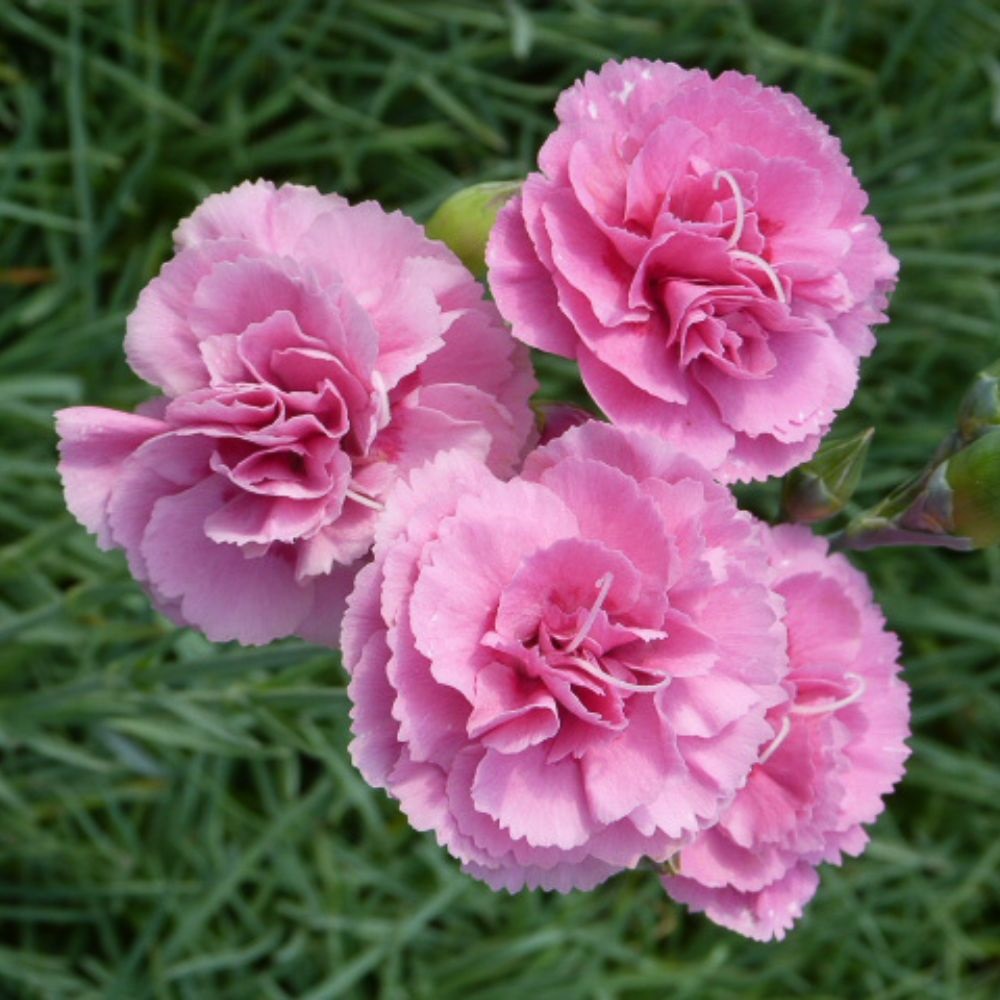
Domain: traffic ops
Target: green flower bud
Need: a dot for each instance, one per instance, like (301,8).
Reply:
(822,486)
(931,507)
(974,477)
(465,219)
(980,409)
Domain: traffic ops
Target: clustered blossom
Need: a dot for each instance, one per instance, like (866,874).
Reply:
(699,246)
(308,351)
(557,693)
(568,660)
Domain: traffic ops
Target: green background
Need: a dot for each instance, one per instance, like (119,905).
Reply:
(181,820)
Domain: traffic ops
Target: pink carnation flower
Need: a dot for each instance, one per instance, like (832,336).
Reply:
(562,673)
(839,749)
(700,247)
(309,351)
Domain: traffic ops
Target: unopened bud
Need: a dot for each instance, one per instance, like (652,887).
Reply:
(931,506)
(974,477)
(822,486)
(980,408)
(465,219)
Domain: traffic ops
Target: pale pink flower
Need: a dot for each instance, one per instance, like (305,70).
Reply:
(568,671)
(838,751)
(699,246)
(309,351)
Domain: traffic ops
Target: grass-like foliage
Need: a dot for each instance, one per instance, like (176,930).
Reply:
(181,820)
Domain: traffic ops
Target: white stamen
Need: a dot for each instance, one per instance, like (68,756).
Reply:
(822,707)
(382,405)
(595,671)
(734,236)
(365,501)
(588,623)
(772,747)
(763,264)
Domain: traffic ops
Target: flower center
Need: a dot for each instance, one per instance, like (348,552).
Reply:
(603,586)
(725,175)
(823,707)
(588,660)
(732,243)
(591,665)
(814,708)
